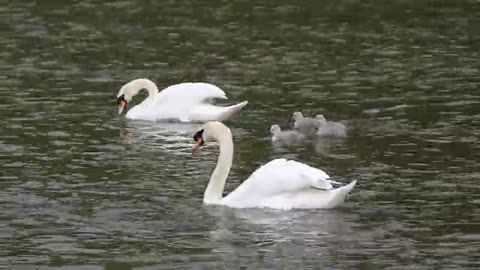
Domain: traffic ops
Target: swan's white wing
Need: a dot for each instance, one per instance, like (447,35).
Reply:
(277,177)
(185,102)
(189,93)
(208,112)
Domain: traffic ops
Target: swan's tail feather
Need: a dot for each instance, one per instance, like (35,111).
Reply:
(340,194)
(347,188)
(233,110)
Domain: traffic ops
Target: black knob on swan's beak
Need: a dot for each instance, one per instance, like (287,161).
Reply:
(198,138)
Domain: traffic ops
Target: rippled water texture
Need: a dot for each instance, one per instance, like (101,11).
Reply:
(82,188)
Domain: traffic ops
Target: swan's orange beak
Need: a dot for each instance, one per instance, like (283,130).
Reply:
(196,146)
(198,138)
(122,105)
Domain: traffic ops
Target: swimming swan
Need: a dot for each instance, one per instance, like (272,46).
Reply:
(280,184)
(184,102)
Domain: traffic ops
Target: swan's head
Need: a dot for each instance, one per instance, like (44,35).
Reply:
(210,131)
(123,97)
(321,119)
(275,129)
(297,116)
(131,89)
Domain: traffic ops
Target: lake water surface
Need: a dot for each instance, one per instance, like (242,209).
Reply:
(82,188)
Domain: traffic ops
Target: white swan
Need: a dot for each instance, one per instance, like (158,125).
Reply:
(279,184)
(184,102)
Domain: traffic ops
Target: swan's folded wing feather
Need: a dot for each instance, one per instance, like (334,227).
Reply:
(190,93)
(280,176)
(185,102)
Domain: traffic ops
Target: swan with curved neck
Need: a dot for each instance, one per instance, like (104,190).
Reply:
(279,184)
(184,102)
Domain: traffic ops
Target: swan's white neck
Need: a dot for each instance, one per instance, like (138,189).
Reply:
(213,193)
(135,86)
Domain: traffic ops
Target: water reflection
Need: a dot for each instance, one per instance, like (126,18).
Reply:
(163,136)
(277,238)
(280,222)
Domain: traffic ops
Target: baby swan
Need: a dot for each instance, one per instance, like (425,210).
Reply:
(286,137)
(329,128)
(305,125)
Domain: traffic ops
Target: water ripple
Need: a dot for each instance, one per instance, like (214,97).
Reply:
(82,188)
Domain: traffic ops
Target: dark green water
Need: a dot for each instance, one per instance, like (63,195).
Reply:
(82,188)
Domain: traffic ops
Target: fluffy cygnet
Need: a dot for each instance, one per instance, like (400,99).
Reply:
(329,128)
(287,136)
(305,125)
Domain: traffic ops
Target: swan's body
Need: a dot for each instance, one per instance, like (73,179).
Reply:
(184,102)
(285,136)
(279,184)
(305,125)
(329,128)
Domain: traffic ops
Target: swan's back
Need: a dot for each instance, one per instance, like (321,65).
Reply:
(279,176)
(190,93)
(185,102)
